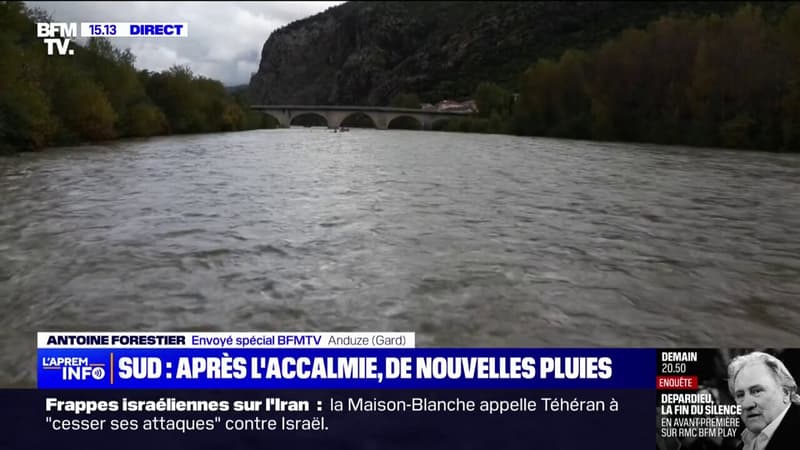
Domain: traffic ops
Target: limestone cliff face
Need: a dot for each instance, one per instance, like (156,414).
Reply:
(367,52)
(346,55)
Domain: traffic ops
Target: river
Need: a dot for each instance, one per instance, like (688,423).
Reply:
(468,240)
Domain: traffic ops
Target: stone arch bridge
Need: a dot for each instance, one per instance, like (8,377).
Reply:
(335,115)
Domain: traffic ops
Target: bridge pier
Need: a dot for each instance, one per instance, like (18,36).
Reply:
(335,118)
(426,122)
(284,118)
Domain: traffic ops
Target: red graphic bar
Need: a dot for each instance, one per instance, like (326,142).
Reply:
(676,382)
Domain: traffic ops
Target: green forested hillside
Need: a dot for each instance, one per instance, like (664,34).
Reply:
(97,94)
(728,81)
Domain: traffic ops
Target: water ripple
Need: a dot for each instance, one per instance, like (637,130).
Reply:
(465,239)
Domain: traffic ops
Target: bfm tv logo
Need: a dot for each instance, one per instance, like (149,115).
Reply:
(79,369)
(49,30)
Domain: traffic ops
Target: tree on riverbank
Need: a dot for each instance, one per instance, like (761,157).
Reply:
(26,121)
(97,94)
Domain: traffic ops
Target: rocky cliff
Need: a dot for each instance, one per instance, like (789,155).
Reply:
(367,52)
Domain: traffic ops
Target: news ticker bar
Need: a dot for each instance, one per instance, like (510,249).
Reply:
(442,397)
(319,419)
(342,368)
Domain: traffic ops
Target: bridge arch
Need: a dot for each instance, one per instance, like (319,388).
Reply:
(405,122)
(309,117)
(358,119)
(440,124)
(282,119)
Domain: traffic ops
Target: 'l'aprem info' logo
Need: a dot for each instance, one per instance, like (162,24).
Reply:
(58,35)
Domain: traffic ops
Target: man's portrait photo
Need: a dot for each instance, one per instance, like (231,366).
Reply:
(767,393)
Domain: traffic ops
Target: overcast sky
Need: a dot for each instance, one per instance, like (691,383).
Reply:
(225,38)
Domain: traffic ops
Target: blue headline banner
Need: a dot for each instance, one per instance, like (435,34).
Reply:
(428,368)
